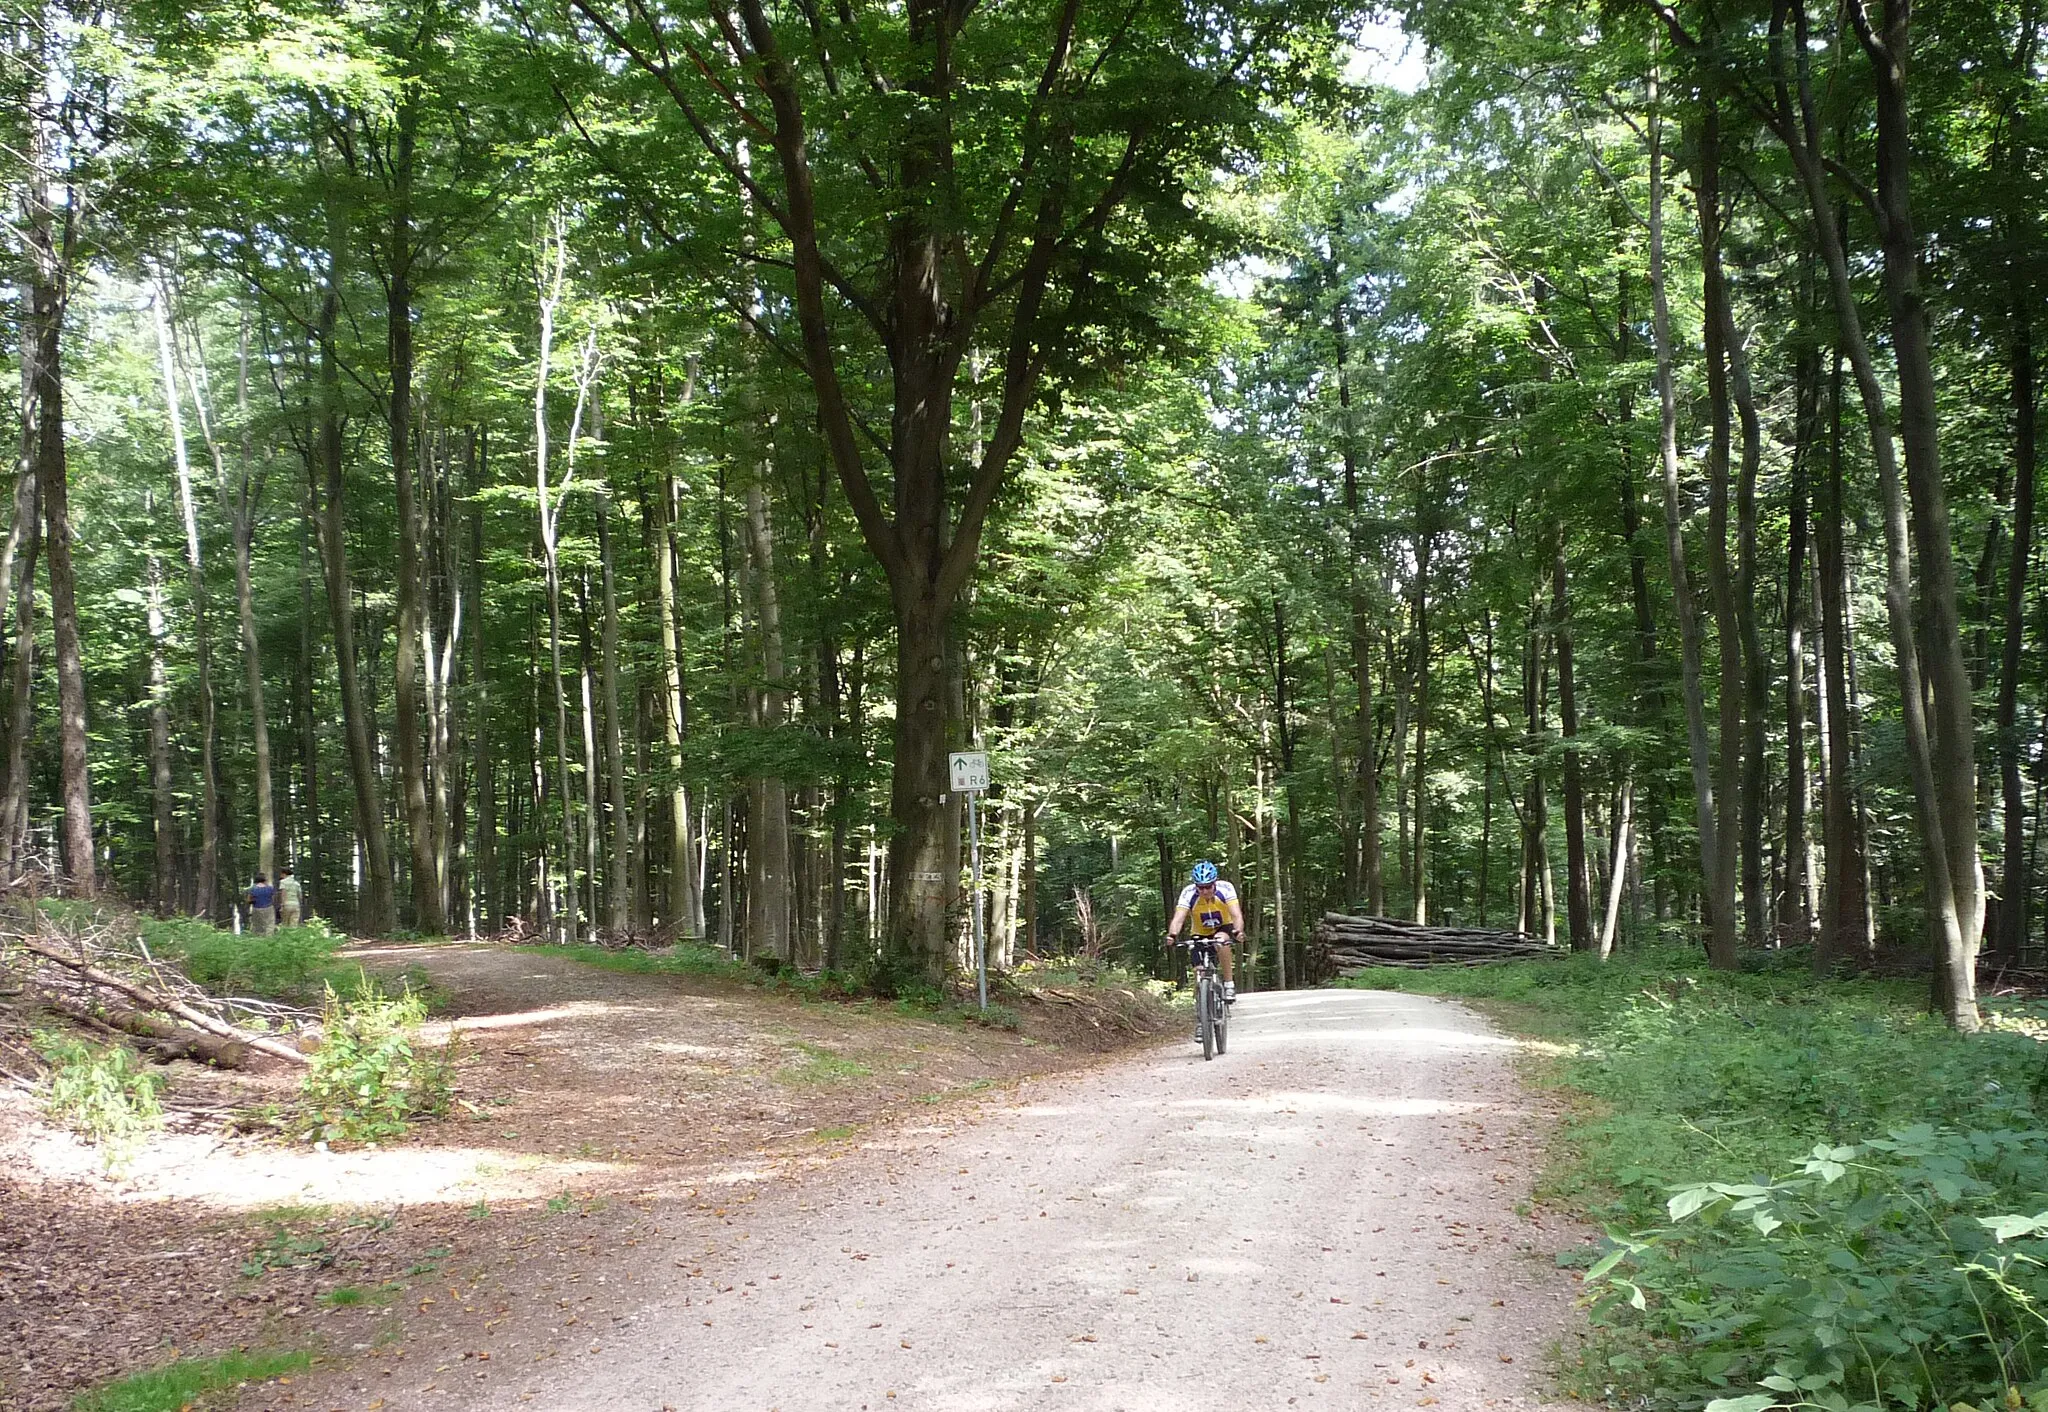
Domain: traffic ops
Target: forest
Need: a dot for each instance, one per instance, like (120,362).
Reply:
(575,468)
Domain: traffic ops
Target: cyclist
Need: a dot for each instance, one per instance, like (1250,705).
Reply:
(1212,903)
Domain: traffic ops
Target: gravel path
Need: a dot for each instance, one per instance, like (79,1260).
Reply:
(1323,1217)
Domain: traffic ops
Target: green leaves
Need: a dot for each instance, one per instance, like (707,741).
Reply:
(2005,1228)
(1749,1402)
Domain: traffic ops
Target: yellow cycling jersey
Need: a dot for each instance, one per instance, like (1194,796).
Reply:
(1208,915)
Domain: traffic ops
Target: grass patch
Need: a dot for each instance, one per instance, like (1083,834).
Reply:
(1797,1179)
(353,1296)
(181,1384)
(820,1066)
(835,1134)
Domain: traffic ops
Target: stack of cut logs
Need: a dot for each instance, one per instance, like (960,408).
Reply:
(1353,943)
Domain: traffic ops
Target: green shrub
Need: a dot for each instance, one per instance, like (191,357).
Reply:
(104,1093)
(291,963)
(371,1076)
(1855,1288)
(1868,1277)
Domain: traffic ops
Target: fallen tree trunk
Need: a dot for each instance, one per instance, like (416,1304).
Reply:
(164,1004)
(160,1039)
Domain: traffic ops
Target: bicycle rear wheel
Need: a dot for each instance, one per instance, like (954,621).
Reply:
(1204,997)
(1222,1025)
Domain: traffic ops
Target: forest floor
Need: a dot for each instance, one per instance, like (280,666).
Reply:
(1333,1214)
(588,1103)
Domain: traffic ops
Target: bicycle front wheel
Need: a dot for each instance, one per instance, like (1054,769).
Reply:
(1205,1008)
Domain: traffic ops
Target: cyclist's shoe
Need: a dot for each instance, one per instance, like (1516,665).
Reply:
(1229,992)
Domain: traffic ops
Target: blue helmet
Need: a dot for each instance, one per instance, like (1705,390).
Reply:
(1204,873)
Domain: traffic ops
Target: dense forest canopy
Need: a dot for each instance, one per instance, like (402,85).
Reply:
(578,467)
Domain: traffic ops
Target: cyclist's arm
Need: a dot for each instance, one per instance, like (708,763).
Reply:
(1236,917)
(1180,918)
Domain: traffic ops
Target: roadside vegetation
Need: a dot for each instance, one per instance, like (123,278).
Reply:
(107,989)
(178,1386)
(1815,1193)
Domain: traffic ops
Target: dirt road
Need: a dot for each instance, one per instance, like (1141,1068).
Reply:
(1327,1216)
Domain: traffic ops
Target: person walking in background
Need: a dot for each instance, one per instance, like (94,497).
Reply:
(262,906)
(290,898)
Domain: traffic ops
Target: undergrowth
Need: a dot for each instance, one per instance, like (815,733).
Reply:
(1814,1191)
(371,1075)
(104,1093)
(180,1385)
(295,965)
(291,963)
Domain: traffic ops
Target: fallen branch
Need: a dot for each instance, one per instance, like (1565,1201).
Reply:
(165,1004)
(160,1038)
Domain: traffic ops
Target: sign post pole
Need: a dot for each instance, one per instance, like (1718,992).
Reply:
(969,769)
(974,866)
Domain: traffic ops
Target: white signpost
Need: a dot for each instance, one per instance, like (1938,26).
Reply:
(969,769)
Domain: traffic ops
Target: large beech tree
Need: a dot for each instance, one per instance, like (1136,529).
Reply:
(939,181)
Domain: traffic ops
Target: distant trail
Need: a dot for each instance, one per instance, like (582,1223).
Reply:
(1362,1153)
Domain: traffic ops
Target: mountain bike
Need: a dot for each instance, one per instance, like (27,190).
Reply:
(1212,1014)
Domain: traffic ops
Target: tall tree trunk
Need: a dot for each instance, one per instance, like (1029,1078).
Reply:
(1956,919)
(1796,915)
(1534,905)
(428,914)
(202,643)
(1756,687)
(20,719)
(376,912)
(1719,918)
(685,881)
(486,911)
(1844,929)
(769,890)
(1366,878)
(164,810)
(571,916)
(1718,332)
(1953,894)
(1425,547)
(593,763)
(50,256)
(313,838)
(242,510)
(622,872)
(2017,883)
(1618,854)
(1578,886)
